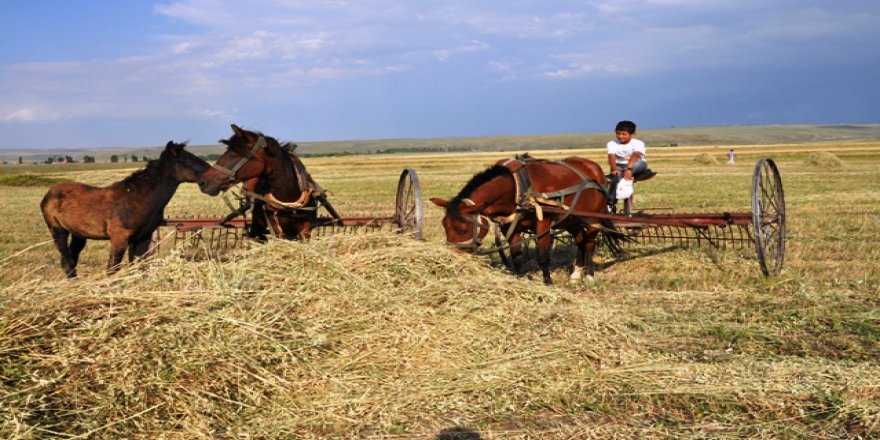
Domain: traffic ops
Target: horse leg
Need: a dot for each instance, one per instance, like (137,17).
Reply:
(586,245)
(117,251)
(304,230)
(68,263)
(589,252)
(545,240)
(76,246)
(258,228)
(138,249)
(578,273)
(516,253)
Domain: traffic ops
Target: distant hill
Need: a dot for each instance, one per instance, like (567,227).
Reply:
(654,137)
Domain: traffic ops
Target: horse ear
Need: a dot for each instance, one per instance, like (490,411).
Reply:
(174,148)
(439,202)
(237,130)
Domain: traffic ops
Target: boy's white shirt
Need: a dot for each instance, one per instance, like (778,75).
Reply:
(623,152)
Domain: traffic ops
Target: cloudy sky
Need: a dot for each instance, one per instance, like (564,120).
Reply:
(96,73)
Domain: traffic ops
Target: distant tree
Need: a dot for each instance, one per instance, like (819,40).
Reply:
(88,159)
(19,160)
(134,158)
(50,160)
(114,158)
(69,159)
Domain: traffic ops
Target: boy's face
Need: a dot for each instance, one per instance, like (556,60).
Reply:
(623,136)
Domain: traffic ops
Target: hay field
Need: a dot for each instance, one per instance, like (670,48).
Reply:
(378,336)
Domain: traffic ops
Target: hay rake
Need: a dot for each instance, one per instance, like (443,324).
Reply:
(763,227)
(210,236)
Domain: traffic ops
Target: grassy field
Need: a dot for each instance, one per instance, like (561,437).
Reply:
(379,336)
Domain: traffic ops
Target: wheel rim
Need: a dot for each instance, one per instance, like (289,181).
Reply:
(409,208)
(768,216)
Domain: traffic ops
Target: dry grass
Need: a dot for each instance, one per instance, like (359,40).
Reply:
(705,159)
(377,336)
(823,159)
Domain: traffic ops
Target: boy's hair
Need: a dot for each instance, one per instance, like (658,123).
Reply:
(627,126)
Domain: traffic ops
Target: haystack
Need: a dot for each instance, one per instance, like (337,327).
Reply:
(823,159)
(706,159)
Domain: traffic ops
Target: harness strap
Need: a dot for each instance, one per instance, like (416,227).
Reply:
(269,199)
(526,200)
(261,143)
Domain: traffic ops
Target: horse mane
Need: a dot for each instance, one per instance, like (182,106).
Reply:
(478,180)
(147,176)
(238,144)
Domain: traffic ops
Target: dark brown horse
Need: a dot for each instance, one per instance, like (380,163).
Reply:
(283,193)
(511,193)
(126,212)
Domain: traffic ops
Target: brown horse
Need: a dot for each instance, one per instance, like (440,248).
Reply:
(126,212)
(510,194)
(281,186)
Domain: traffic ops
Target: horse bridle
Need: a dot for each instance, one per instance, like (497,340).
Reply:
(476,220)
(230,172)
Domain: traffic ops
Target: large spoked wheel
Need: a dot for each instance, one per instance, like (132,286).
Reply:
(768,216)
(409,215)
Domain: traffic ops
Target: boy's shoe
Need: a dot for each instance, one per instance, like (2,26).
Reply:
(645,175)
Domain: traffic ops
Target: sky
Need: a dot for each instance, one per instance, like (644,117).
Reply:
(110,73)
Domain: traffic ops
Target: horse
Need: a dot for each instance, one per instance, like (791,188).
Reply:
(125,212)
(511,194)
(273,176)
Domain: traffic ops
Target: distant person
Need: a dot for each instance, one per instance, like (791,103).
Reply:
(730,156)
(626,156)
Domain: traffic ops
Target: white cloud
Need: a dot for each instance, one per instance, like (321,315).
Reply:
(474,46)
(23,115)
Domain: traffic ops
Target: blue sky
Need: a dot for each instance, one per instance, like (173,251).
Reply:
(102,73)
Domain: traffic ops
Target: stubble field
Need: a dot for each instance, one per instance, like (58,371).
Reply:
(381,336)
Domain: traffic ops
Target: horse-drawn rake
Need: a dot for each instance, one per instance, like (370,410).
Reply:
(763,227)
(215,235)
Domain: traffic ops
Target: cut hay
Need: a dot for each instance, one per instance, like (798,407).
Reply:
(338,337)
(376,336)
(705,159)
(823,159)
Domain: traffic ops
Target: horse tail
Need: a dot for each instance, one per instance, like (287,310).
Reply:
(612,238)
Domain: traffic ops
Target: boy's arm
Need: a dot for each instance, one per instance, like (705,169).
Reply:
(612,162)
(627,173)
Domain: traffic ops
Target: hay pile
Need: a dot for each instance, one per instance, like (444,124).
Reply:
(339,337)
(823,159)
(705,159)
(380,336)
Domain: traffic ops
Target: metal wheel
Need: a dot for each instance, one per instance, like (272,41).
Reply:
(409,213)
(768,216)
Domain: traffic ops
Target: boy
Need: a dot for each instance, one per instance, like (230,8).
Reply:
(626,156)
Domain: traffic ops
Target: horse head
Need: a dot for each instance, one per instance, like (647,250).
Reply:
(187,166)
(463,223)
(247,155)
